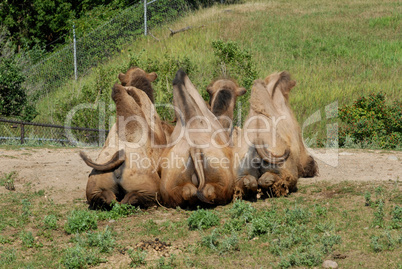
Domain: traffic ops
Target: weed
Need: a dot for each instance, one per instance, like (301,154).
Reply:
(258,226)
(379,215)
(367,198)
(303,256)
(242,210)
(28,239)
(163,263)
(80,220)
(118,211)
(7,256)
(212,240)
(396,220)
(50,222)
(202,219)
(320,211)
(137,257)
(328,241)
(103,241)
(79,257)
(229,243)
(7,180)
(297,216)
(26,208)
(384,242)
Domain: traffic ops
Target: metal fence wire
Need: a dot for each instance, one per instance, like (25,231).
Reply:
(30,133)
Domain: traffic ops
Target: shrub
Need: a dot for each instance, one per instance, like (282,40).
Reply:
(370,121)
(7,180)
(202,219)
(80,220)
(384,242)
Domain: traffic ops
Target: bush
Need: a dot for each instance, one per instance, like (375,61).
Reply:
(118,211)
(137,258)
(103,241)
(396,220)
(202,219)
(81,220)
(369,121)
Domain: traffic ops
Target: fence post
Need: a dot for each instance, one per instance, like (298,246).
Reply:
(145,17)
(22,133)
(75,53)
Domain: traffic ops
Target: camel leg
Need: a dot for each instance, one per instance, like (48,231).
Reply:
(246,186)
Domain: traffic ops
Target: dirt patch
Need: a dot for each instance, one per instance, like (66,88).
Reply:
(63,175)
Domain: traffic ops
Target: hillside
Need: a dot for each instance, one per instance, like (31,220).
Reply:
(335,51)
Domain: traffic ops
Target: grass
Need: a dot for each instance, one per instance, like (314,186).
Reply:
(336,51)
(300,230)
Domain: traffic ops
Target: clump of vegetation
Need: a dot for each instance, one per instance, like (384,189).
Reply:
(80,221)
(384,242)
(217,242)
(50,222)
(202,219)
(28,239)
(118,211)
(379,215)
(137,258)
(370,121)
(396,220)
(242,210)
(79,257)
(7,180)
(104,241)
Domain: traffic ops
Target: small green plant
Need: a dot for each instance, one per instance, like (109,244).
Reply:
(379,215)
(118,211)
(164,263)
(7,256)
(242,210)
(202,219)
(81,220)
(396,220)
(297,216)
(79,257)
(28,239)
(258,226)
(137,258)
(7,180)
(320,211)
(103,241)
(26,208)
(384,242)
(50,222)
(328,241)
(367,198)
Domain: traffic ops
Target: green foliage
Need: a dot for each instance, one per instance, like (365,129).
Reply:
(80,221)
(371,121)
(79,257)
(302,256)
(103,241)
(242,210)
(396,220)
(118,211)
(384,242)
(234,62)
(163,263)
(297,216)
(379,215)
(217,242)
(28,239)
(202,219)
(137,258)
(367,198)
(7,256)
(7,180)
(50,222)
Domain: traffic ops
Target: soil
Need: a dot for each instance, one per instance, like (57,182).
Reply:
(63,175)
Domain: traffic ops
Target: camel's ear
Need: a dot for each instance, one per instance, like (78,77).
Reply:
(152,76)
(240,91)
(122,78)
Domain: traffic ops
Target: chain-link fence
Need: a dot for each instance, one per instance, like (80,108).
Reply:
(14,132)
(101,44)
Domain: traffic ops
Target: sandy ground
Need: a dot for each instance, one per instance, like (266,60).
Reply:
(63,174)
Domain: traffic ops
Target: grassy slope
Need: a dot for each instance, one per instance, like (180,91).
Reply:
(336,51)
